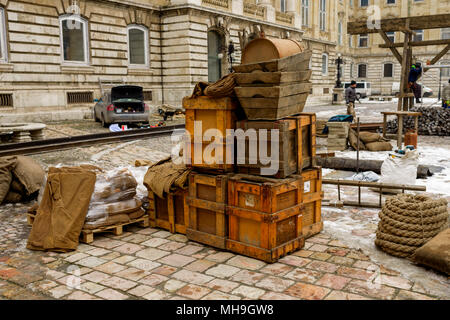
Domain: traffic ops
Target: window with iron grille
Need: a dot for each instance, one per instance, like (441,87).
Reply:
(362,71)
(148,96)
(80,97)
(6,100)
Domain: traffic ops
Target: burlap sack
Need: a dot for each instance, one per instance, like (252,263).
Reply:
(353,139)
(102,210)
(435,253)
(368,137)
(136,214)
(16,186)
(29,173)
(379,146)
(62,211)
(6,166)
(13,197)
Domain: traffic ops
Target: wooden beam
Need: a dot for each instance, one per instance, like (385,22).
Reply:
(440,54)
(389,43)
(416,43)
(404,72)
(407,31)
(437,21)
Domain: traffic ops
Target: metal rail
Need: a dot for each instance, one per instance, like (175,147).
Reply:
(46,145)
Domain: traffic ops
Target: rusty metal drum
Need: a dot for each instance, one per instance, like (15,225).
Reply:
(264,49)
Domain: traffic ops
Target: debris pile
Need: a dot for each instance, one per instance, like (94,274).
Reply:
(434,121)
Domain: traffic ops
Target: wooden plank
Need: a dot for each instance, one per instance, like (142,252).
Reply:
(272,92)
(390,44)
(440,54)
(415,43)
(437,21)
(296,62)
(271,78)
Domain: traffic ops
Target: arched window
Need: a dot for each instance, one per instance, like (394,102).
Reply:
(137,45)
(3,49)
(324,64)
(74,39)
(388,70)
(362,70)
(215,56)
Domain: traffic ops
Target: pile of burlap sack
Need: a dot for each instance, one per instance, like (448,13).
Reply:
(77,198)
(369,141)
(20,179)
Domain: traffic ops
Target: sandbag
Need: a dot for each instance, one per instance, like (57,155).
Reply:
(114,185)
(62,210)
(18,187)
(13,197)
(29,173)
(368,137)
(6,165)
(136,214)
(108,221)
(103,210)
(353,139)
(435,253)
(379,146)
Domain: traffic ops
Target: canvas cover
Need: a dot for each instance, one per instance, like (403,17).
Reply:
(435,253)
(62,210)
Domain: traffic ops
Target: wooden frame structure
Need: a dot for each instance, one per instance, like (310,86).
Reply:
(406,25)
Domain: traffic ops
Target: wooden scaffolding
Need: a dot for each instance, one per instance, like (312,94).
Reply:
(405,25)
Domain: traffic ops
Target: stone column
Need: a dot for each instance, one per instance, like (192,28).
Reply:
(291,7)
(270,10)
(237,7)
(178,2)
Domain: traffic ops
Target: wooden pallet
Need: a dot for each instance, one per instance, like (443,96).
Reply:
(87,236)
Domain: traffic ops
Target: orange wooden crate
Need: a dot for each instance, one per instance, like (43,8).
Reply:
(264,216)
(312,200)
(213,113)
(207,204)
(171,213)
(297,144)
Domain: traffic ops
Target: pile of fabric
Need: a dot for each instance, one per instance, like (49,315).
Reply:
(369,141)
(20,179)
(113,200)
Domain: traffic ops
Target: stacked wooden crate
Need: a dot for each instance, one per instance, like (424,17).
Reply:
(337,135)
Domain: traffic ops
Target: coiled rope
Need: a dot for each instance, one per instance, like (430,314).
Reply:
(409,221)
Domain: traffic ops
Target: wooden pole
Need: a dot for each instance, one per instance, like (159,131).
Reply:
(400,131)
(357,146)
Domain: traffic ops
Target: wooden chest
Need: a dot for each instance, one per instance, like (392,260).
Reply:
(297,145)
(264,216)
(312,200)
(171,213)
(207,204)
(204,113)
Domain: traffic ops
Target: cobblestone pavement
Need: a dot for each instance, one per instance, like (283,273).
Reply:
(148,263)
(155,264)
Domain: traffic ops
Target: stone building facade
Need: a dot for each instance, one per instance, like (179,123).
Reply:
(56,56)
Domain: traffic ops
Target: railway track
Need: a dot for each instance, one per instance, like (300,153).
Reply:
(40,146)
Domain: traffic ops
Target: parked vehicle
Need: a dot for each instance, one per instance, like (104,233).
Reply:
(427,92)
(363,89)
(122,104)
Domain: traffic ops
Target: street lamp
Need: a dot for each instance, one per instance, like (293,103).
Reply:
(339,61)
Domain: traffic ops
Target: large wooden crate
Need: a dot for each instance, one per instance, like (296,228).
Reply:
(312,200)
(296,62)
(297,144)
(170,213)
(212,113)
(207,204)
(264,216)
(269,79)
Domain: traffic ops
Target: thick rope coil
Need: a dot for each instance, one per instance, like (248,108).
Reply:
(409,221)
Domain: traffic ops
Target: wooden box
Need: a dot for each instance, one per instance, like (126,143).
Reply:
(297,144)
(296,62)
(262,79)
(171,213)
(207,204)
(211,113)
(264,216)
(312,200)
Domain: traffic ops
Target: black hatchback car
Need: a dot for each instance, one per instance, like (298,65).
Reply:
(122,104)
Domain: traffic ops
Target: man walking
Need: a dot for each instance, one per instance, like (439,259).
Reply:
(446,95)
(350,98)
(414,74)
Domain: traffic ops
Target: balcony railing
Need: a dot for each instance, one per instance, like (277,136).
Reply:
(253,9)
(217,3)
(284,17)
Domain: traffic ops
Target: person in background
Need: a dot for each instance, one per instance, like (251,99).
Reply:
(446,95)
(350,98)
(414,74)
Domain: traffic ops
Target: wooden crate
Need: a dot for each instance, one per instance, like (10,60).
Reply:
(312,200)
(296,62)
(213,113)
(297,147)
(207,204)
(171,213)
(271,78)
(264,216)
